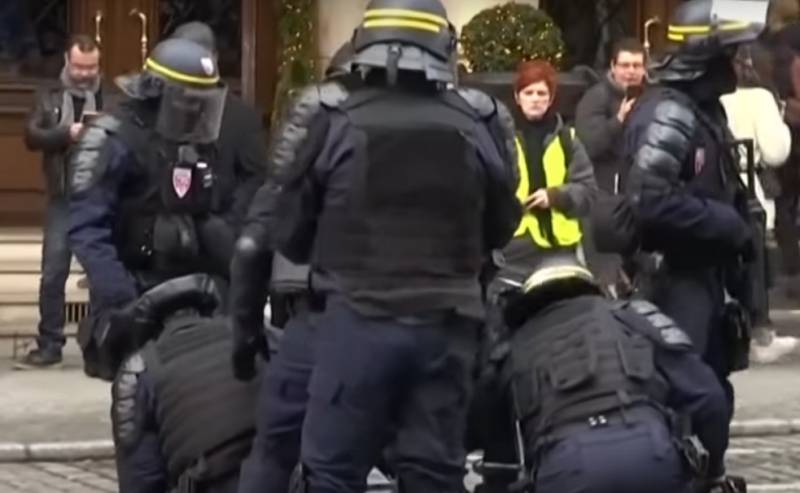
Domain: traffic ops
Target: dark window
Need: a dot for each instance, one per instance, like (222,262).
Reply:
(32,37)
(590,27)
(224,17)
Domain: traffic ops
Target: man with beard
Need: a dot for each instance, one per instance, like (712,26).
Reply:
(54,126)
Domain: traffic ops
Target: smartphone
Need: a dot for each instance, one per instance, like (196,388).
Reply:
(633,92)
(89,116)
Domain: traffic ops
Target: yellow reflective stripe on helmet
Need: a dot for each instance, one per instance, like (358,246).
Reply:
(419,25)
(179,76)
(725,26)
(548,274)
(407,14)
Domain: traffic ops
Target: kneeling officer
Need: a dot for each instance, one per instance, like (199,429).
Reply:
(181,421)
(602,395)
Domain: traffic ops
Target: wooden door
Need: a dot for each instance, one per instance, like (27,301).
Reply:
(33,34)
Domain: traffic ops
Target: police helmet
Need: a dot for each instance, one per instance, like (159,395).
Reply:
(557,276)
(409,35)
(702,30)
(199,32)
(173,61)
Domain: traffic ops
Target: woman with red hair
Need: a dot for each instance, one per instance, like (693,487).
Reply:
(557,184)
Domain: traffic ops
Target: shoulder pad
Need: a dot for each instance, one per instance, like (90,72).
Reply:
(485,105)
(89,159)
(293,132)
(667,138)
(126,420)
(679,116)
(670,335)
(500,123)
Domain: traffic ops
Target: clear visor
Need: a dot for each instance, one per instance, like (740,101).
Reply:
(749,11)
(191,115)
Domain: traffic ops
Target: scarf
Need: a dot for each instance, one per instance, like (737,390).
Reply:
(73,91)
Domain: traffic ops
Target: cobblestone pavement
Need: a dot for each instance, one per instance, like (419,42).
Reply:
(770,465)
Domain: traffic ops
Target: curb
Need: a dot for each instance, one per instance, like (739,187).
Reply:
(56,451)
(104,449)
(764,427)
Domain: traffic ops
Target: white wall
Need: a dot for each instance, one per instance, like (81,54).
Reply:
(338,18)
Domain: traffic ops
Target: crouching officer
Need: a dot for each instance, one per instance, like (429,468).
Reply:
(142,185)
(181,421)
(601,395)
(395,205)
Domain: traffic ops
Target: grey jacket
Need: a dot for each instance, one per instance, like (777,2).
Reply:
(600,130)
(43,133)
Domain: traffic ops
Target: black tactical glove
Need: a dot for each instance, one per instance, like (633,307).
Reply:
(244,355)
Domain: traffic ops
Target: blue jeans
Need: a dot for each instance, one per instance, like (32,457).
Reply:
(56,258)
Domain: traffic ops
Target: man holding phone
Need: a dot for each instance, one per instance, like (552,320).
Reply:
(599,120)
(56,122)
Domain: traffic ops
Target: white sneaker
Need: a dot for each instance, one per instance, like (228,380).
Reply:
(779,347)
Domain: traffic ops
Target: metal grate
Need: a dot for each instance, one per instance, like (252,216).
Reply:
(75,312)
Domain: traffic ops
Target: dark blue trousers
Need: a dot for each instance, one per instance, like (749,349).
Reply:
(694,299)
(380,380)
(616,459)
(281,411)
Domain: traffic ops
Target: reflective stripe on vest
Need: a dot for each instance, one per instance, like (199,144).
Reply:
(566,231)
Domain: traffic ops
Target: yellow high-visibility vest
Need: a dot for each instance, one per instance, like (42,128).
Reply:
(566,231)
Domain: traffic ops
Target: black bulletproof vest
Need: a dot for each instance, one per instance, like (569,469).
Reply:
(575,360)
(203,412)
(161,199)
(412,216)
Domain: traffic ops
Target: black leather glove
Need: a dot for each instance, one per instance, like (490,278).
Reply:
(728,484)
(244,355)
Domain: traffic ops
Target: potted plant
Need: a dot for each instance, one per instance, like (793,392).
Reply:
(496,39)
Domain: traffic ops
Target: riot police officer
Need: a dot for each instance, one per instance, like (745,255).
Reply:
(399,190)
(683,181)
(181,421)
(582,376)
(257,270)
(142,185)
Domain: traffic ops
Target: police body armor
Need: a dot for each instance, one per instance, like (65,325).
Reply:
(410,217)
(158,228)
(577,362)
(206,416)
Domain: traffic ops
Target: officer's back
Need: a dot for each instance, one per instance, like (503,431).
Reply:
(588,375)
(181,420)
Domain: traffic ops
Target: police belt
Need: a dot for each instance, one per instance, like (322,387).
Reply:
(640,413)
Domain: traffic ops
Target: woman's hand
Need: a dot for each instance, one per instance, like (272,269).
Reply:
(538,200)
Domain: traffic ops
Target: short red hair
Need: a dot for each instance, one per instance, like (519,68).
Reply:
(533,71)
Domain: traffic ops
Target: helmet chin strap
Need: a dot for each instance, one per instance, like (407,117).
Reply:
(392,61)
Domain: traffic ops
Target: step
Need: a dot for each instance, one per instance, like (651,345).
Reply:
(20,235)
(25,258)
(22,289)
